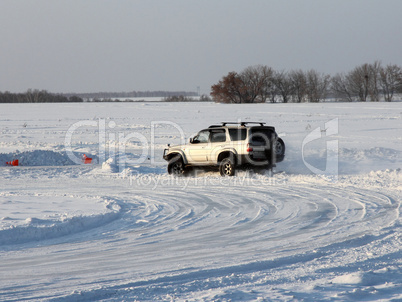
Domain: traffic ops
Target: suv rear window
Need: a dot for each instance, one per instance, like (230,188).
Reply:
(238,134)
(260,136)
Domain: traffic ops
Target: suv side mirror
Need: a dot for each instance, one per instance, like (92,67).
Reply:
(191,140)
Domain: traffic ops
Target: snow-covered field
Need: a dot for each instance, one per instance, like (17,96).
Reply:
(326,226)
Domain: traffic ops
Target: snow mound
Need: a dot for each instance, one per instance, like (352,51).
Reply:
(37,229)
(14,229)
(38,158)
(353,278)
(389,178)
(362,278)
(376,153)
(364,282)
(110,166)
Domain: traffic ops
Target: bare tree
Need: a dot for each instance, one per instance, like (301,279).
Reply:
(32,96)
(258,82)
(364,81)
(299,83)
(252,82)
(283,85)
(267,90)
(390,81)
(374,81)
(340,87)
(316,86)
(358,82)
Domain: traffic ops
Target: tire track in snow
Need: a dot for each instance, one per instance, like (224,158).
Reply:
(176,236)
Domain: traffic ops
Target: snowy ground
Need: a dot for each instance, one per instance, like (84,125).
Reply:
(123,230)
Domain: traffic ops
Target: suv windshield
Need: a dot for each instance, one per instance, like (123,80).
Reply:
(202,137)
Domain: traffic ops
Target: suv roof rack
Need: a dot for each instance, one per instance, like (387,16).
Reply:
(242,123)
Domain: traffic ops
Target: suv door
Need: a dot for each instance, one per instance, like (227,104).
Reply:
(217,141)
(196,152)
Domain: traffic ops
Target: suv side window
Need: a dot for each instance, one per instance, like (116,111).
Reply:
(238,134)
(202,137)
(218,136)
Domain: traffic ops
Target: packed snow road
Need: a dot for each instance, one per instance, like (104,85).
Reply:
(102,232)
(156,243)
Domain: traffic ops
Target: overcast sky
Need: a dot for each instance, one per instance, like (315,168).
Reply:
(99,45)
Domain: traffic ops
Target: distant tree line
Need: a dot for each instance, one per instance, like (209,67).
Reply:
(43,96)
(182,98)
(37,96)
(132,94)
(260,84)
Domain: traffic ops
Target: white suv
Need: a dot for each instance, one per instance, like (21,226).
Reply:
(228,146)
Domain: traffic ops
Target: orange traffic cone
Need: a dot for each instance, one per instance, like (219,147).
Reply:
(86,159)
(12,163)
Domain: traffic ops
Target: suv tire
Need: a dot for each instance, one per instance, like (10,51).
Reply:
(279,147)
(176,166)
(227,167)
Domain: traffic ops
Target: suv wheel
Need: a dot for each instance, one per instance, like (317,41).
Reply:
(176,166)
(279,147)
(227,167)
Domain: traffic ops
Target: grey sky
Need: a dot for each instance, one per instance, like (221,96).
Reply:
(99,45)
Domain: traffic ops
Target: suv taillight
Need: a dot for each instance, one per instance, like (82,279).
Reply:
(249,148)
